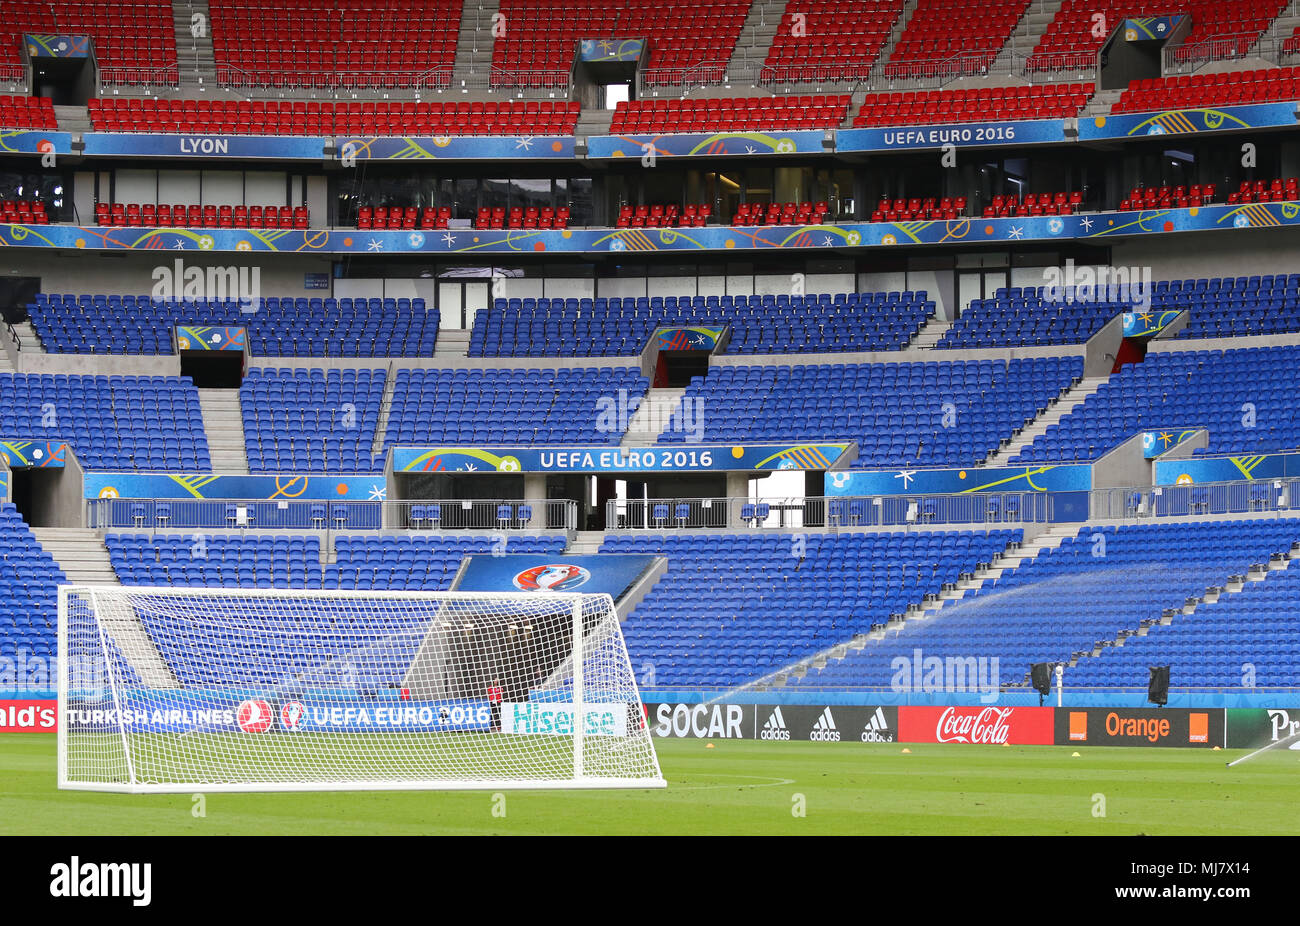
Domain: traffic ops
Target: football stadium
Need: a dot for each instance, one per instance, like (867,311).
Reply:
(461,417)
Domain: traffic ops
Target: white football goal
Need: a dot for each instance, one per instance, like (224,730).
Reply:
(224,689)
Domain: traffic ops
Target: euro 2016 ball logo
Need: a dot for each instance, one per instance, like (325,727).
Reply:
(292,714)
(553,577)
(254,716)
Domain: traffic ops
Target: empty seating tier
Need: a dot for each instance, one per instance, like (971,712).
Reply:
(112,324)
(134,423)
(895,411)
(759,324)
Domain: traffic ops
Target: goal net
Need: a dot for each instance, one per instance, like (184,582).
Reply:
(187,689)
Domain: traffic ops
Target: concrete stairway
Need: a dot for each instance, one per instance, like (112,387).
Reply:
(73,118)
(593,122)
(27,338)
(452,342)
(385,411)
(754,41)
(82,556)
(80,553)
(1005,562)
(585,543)
(223,422)
(474,40)
(652,417)
(196,62)
(1065,403)
(1278,32)
(1025,37)
(929,334)
(1234,586)
(1101,103)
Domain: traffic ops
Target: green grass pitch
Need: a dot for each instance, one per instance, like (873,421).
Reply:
(736,788)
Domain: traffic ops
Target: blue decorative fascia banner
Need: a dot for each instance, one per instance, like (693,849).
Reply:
(1147,28)
(720,238)
(687,338)
(1194,470)
(210,337)
(610,49)
(34,454)
(1066,477)
(1148,324)
(239,488)
(452,147)
(1187,121)
(35,141)
(46,45)
(961,135)
(579,459)
(706,144)
(258,147)
(1159,441)
(598,574)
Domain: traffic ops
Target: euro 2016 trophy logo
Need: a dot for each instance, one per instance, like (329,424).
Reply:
(554,577)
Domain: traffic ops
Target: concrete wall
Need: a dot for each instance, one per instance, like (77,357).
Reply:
(1195,255)
(122,273)
(1122,467)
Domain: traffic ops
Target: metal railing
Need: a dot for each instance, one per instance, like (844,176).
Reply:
(831,511)
(173,514)
(704,74)
(333,82)
(162,78)
(513,79)
(935,72)
(1214,498)
(1074,66)
(857,75)
(14,76)
(1185,57)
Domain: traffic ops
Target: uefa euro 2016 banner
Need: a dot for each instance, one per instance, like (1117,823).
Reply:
(613,459)
(1187,121)
(720,238)
(452,147)
(960,135)
(168,711)
(1196,470)
(244,488)
(261,147)
(25,454)
(1066,477)
(347,148)
(648,148)
(602,573)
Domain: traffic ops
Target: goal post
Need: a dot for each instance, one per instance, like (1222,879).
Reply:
(225,689)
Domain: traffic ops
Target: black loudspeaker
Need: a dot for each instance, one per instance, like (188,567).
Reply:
(1158,686)
(1040,674)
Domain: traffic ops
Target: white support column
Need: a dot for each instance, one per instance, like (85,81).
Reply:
(579,716)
